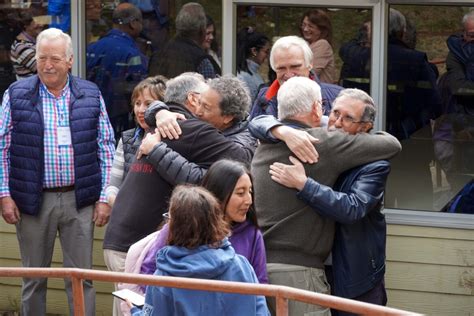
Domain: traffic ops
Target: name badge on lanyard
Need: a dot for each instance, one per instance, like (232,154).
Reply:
(64,136)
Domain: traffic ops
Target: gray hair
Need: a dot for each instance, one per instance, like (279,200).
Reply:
(286,42)
(52,34)
(397,23)
(297,96)
(178,88)
(235,96)
(191,21)
(468,16)
(369,111)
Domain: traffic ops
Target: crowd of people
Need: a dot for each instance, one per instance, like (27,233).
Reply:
(219,177)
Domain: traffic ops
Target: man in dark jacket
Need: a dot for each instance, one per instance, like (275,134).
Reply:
(298,239)
(224,105)
(56,151)
(184,53)
(355,204)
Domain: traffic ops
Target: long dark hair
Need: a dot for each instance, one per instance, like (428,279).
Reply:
(247,39)
(221,179)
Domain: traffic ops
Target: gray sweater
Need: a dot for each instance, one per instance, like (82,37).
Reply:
(293,233)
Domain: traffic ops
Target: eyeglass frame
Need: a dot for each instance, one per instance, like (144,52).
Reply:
(346,118)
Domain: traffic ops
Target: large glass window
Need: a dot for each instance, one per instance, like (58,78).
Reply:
(349,37)
(20,23)
(123,49)
(429,108)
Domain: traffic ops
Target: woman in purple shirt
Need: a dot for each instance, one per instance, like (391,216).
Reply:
(230,181)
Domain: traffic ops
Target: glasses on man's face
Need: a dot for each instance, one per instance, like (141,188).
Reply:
(344,118)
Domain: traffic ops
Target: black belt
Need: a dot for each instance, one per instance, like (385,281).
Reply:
(59,189)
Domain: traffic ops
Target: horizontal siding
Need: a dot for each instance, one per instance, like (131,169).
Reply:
(432,304)
(430,270)
(431,278)
(56,301)
(441,251)
(10,288)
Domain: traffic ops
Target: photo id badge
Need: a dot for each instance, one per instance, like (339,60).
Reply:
(64,136)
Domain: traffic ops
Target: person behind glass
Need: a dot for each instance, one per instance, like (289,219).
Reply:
(56,150)
(290,57)
(316,29)
(23,49)
(184,53)
(116,64)
(210,44)
(231,183)
(253,49)
(355,55)
(198,248)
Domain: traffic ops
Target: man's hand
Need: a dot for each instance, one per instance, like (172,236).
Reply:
(10,212)
(291,176)
(167,124)
(299,142)
(101,214)
(150,141)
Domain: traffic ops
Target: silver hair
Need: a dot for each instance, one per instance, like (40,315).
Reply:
(178,88)
(191,20)
(52,34)
(468,16)
(369,110)
(297,96)
(397,23)
(286,42)
(234,95)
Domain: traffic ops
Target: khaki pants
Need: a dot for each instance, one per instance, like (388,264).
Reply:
(36,237)
(115,261)
(310,279)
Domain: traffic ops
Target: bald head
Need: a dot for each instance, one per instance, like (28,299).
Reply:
(128,18)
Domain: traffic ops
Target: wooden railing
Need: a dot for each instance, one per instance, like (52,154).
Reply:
(281,293)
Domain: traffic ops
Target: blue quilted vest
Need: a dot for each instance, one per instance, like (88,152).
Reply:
(27,145)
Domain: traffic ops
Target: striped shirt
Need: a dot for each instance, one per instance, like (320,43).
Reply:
(58,158)
(22,55)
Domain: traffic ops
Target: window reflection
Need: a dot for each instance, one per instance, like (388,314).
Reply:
(20,23)
(120,49)
(430,93)
(275,21)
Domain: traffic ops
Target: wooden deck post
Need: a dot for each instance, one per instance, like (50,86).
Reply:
(281,306)
(78,296)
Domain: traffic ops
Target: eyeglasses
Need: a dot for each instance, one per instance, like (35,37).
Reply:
(166,217)
(345,119)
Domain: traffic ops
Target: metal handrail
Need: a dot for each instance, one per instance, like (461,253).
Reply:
(281,293)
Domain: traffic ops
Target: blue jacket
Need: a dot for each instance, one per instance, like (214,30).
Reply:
(27,145)
(206,263)
(116,65)
(355,204)
(266,100)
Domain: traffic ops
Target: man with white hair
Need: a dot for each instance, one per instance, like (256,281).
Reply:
(298,240)
(290,56)
(56,151)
